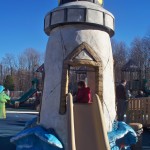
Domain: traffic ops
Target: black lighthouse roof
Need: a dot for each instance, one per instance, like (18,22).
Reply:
(92,1)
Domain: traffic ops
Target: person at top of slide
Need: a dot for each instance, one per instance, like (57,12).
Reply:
(84,93)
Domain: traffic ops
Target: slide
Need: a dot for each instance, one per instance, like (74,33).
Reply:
(25,96)
(86,126)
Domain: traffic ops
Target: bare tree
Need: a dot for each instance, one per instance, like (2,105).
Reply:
(32,60)
(21,73)
(9,63)
(120,53)
(146,48)
(21,68)
(1,73)
(137,52)
(140,53)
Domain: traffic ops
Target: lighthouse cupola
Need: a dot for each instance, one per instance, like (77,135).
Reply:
(100,2)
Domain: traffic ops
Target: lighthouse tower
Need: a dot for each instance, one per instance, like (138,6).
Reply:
(79,38)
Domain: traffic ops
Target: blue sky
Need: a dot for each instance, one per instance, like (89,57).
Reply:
(21,22)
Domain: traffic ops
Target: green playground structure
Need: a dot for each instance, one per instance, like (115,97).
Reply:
(28,94)
(147,87)
(25,96)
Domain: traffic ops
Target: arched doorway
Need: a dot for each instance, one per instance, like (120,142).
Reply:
(82,56)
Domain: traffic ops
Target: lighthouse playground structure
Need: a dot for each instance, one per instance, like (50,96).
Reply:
(78,48)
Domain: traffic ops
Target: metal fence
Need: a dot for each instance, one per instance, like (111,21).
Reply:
(139,111)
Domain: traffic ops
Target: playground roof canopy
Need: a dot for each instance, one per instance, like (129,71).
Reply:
(130,66)
(40,69)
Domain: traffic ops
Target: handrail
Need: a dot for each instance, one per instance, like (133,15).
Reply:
(71,132)
(101,123)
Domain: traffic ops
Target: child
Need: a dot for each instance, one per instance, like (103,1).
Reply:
(3,99)
(84,93)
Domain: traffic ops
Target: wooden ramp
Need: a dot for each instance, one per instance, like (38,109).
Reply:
(86,126)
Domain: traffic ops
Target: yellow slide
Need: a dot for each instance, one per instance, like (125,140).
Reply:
(86,126)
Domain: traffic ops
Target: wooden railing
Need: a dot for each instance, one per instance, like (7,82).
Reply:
(139,111)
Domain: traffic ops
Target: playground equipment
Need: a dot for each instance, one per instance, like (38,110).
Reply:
(132,73)
(146,88)
(86,126)
(27,95)
(79,37)
(136,80)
